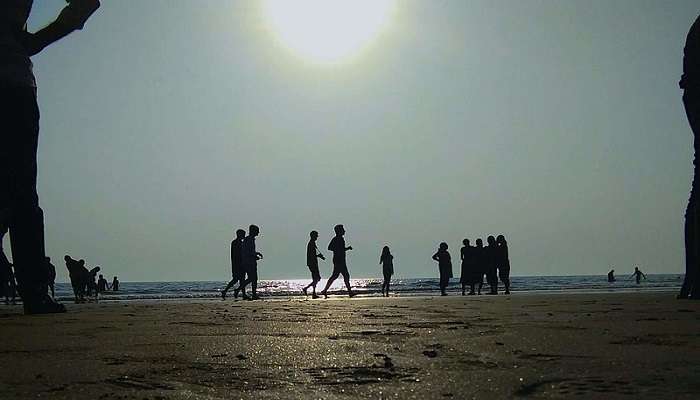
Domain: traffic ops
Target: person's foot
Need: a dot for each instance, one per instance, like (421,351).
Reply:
(304,290)
(490,293)
(443,294)
(507,292)
(43,305)
(314,296)
(325,294)
(471,294)
(351,293)
(245,296)
(255,297)
(223,295)
(235,293)
(464,293)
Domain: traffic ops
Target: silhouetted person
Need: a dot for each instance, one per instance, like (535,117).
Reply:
(469,275)
(611,276)
(690,83)
(312,256)
(386,260)
(92,282)
(102,284)
(442,256)
(503,262)
(491,257)
(340,266)
(115,284)
(237,272)
(481,263)
(19,113)
(250,262)
(638,275)
(51,281)
(79,276)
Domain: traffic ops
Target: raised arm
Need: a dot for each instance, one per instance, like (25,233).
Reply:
(71,18)
(435,257)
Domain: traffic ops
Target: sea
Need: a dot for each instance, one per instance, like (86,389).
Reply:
(130,291)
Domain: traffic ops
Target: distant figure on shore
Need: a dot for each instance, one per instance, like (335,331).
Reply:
(237,271)
(638,275)
(690,83)
(102,284)
(442,256)
(19,201)
(480,264)
(340,266)
(115,284)
(491,258)
(250,262)
(386,260)
(469,275)
(51,282)
(312,256)
(503,262)
(611,276)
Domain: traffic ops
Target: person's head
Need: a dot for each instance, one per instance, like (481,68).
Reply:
(386,251)
(339,229)
(491,240)
(48,259)
(479,243)
(313,235)
(443,246)
(101,277)
(465,242)
(115,278)
(240,233)
(253,230)
(66,258)
(636,269)
(501,240)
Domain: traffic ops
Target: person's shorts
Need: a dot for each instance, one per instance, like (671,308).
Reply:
(315,274)
(341,268)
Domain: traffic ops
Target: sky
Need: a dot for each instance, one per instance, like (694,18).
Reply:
(168,124)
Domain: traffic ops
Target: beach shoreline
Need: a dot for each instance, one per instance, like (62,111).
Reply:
(613,345)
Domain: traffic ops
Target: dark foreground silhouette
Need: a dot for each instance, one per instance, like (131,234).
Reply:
(690,83)
(19,113)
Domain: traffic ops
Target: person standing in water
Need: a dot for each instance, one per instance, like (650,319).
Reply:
(312,256)
(19,113)
(386,260)
(237,273)
(611,276)
(340,266)
(503,262)
(250,262)
(638,275)
(468,272)
(442,256)
(690,83)
(115,284)
(102,284)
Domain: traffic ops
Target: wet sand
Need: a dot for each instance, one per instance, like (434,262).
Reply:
(627,346)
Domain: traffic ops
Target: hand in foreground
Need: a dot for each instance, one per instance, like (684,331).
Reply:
(78,12)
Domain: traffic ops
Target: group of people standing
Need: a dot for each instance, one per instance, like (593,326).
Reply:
(490,261)
(86,283)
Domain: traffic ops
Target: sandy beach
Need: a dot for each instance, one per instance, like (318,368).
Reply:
(531,346)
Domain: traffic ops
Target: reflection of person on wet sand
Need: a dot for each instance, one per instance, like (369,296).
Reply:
(442,256)
(237,273)
(637,274)
(611,276)
(312,256)
(387,262)
(340,266)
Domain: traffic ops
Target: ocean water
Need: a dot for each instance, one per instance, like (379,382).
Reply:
(372,287)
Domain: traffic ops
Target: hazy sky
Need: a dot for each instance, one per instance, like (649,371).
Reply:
(166,124)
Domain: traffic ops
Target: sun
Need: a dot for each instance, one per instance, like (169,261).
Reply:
(328,31)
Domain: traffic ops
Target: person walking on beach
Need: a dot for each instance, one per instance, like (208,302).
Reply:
(312,256)
(637,274)
(611,276)
(468,275)
(51,280)
(250,258)
(690,83)
(503,262)
(19,113)
(340,266)
(237,272)
(480,267)
(115,284)
(491,257)
(386,260)
(442,256)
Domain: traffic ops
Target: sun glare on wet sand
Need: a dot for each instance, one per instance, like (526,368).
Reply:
(328,31)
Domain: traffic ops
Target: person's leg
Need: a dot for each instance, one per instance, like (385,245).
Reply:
(254,282)
(228,287)
(332,278)
(346,279)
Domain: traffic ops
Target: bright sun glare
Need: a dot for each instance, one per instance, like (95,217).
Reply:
(328,31)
